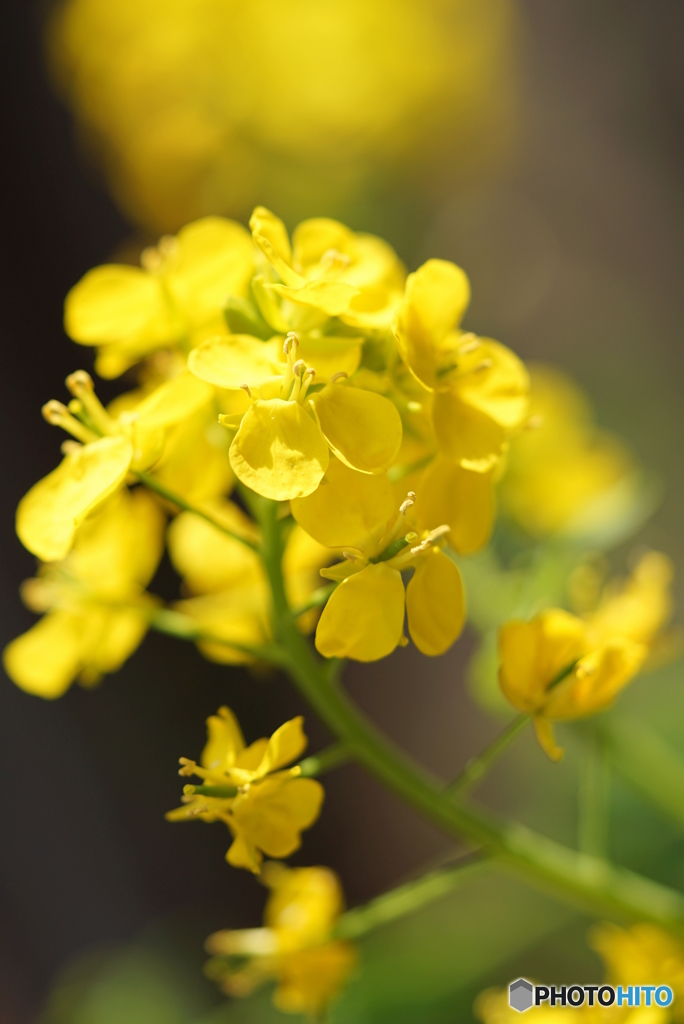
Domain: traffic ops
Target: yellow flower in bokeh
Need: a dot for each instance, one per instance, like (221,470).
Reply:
(265,805)
(641,955)
(174,300)
(364,617)
(194,109)
(293,947)
(97,464)
(561,667)
(478,387)
(94,600)
(281,448)
(564,474)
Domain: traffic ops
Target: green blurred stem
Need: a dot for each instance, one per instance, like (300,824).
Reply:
(332,757)
(579,878)
(646,760)
(405,899)
(594,798)
(480,765)
(166,620)
(153,484)
(318,598)
(223,792)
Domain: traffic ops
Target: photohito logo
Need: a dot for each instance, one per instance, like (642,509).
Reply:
(523,995)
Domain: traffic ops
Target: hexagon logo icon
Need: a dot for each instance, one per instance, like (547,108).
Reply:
(520,995)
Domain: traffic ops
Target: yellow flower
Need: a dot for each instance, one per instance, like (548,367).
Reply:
(641,955)
(381,89)
(478,388)
(560,666)
(264,805)
(85,633)
(328,271)
(175,299)
(293,947)
(281,448)
(364,617)
(108,447)
(565,474)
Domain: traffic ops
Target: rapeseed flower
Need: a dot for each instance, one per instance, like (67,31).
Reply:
(477,388)
(282,444)
(364,616)
(95,605)
(561,666)
(107,448)
(265,805)
(293,947)
(173,300)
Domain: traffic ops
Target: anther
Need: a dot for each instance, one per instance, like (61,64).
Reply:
(299,367)
(486,364)
(406,505)
(349,555)
(291,343)
(340,375)
(78,382)
(55,412)
(70,447)
(471,344)
(246,387)
(535,422)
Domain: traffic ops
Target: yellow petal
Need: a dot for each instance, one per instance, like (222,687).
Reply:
(364,616)
(315,237)
(270,234)
(45,660)
(174,401)
(279,450)
(435,604)
(234,360)
(349,509)
(328,355)
(310,978)
(244,854)
(224,740)
(284,746)
(303,559)
(331,297)
(119,634)
(272,813)
(499,390)
(239,615)
(113,303)
(543,729)
(466,435)
(208,560)
(195,460)
(597,679)
(362,428)
(436,298)
(214,259)
(48,516)
(461,498)
(533,654)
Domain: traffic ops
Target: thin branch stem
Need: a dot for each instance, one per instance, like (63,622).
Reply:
(155,485)
(406,899)
(173,623)
(318,598)
(480,765)
(332,757)
(578,877)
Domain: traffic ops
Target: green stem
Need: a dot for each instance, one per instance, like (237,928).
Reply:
(405,899)
(582,879)
(326,760)
(594,798)
(223,792)
(481,764)
(153,484)
(318,598)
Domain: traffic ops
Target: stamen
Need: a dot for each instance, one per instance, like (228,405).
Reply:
(167,245)
(307,379)
(334,258)
(340,375)
(291,343)
(70,447)
(486,364)
(535,422)
(298,367)
(349,555)
(81,386)
(246,387)
(188,766)
(470,344)
(406,505)
(57,415)
(151,259)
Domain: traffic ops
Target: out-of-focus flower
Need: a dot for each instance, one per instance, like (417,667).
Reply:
(173,301)
(364,616)
(293,947)
(478,388)
(559,666)
(265,805)
(97,465)
(215,106)
(564,474)
(94,600)
(640,955)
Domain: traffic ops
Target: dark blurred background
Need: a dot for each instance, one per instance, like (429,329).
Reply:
(575,249)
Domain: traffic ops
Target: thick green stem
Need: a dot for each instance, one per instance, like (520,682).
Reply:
(594,798)
(481,764)
(405,899)
(589,881)
(155,485)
